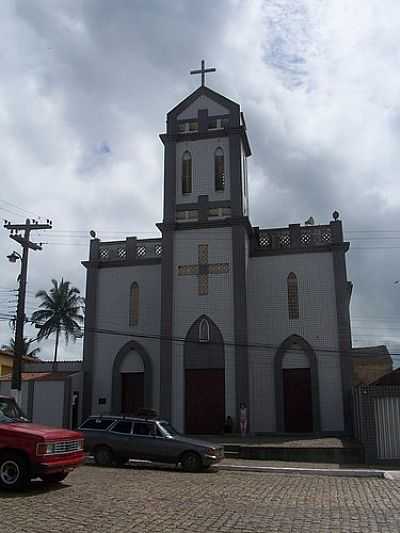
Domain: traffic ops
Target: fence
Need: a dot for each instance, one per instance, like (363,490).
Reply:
(376,411)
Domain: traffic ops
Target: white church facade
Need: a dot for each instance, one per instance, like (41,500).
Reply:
(217,312)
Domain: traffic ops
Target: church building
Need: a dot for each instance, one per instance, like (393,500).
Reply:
(217,312)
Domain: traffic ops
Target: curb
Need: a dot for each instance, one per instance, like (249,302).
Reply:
(345,472)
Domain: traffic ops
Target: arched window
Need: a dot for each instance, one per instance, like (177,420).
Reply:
(134,305)
(293,296)
(204,331)
(186,173)
(219,166)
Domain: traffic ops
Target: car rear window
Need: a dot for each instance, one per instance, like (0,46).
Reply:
(97,423)
(123,426)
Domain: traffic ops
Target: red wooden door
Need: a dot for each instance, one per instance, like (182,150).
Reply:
(297,400)
(205,401)
(132,392)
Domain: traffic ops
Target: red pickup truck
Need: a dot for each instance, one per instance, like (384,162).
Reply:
(30,450)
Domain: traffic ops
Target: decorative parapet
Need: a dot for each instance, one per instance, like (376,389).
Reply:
(130,251)
(148,249)
(112,251)
(297,238)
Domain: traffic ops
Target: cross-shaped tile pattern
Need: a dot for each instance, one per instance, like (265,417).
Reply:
(203,269)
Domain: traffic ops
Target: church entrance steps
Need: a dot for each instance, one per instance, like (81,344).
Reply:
(303,449)
(267,467)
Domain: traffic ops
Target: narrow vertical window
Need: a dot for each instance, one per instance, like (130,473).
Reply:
(186,173)
(204,331)
(293,296)
(219,166)
(134,305)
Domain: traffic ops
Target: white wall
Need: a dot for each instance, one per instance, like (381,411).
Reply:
(268,324)
(48,403)
(203,180)
(112,313)
(188,306)
(132,363)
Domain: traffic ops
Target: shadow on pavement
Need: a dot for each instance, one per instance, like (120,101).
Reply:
(34,488)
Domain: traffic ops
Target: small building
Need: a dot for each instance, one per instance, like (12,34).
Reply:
(391,378)
(50,396)
(370,363)
(7,361)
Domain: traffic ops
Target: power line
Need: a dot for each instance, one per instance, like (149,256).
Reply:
(225,343)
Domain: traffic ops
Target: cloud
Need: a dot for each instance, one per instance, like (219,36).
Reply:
(86,86)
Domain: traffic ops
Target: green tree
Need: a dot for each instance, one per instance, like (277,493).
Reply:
(60,310)
(11,347)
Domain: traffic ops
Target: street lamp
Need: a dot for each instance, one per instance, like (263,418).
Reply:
(13,258)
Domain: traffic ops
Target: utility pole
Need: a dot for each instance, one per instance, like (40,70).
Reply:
(27,245)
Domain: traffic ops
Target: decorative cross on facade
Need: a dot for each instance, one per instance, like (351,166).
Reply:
(203,71)
(203,269)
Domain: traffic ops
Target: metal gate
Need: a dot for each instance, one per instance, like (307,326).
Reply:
(376,415)
(387,427)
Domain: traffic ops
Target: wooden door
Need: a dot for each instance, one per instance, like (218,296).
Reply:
(297,400)
(205,401)
(132,392)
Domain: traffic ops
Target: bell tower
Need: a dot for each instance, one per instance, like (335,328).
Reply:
(206,150)
(205,205)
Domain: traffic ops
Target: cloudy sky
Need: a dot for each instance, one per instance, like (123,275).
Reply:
(85,86)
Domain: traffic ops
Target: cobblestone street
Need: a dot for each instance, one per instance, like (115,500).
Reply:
(164,500)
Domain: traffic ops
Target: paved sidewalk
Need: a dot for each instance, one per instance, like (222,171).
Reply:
(144,500)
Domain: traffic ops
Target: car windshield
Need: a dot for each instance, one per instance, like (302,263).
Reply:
(10,412)
(169,429)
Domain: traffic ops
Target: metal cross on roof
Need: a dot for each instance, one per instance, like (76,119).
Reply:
(203,71)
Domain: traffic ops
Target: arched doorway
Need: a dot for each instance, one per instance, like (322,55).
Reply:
(296,385)
(204,359)
(132,379)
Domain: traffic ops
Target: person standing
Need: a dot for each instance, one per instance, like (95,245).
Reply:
(243,419)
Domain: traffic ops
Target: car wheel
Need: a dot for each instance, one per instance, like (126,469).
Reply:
(120,461)
(191,462)
(54,478)
(103,456)
(13,472)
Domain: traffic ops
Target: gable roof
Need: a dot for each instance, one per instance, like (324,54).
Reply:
(204,91)
(393,378)
(377,352)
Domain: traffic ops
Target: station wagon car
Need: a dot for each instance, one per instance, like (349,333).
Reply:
(115,440)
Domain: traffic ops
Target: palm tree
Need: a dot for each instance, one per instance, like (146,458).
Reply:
(11,347)
(60,310)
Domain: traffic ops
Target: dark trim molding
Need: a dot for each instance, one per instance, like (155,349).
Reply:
(116,375)
(166,327)
(226,222)
(211,134)
(67,402)
(210,205)
(343,324)
(279,396)
(31,391)
(261,252)
(240,318)
(235,173)
(199,355)
(127,263)
(90,325)
(201,135)
(225,115)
